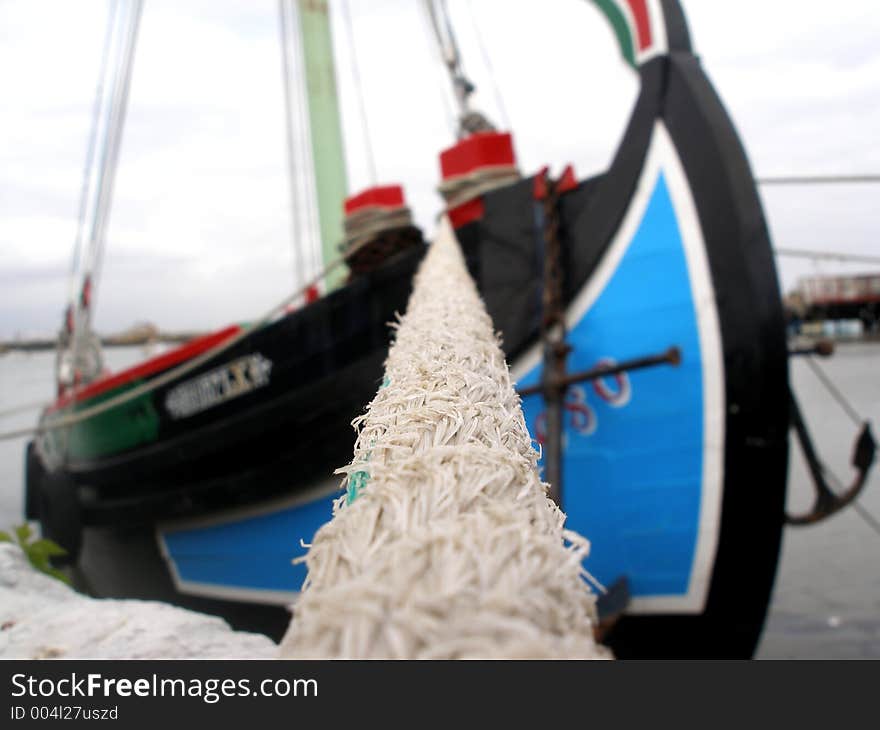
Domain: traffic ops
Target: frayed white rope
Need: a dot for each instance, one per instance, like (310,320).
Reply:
(446,544)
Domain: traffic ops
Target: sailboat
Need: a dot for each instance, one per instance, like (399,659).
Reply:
(196,476)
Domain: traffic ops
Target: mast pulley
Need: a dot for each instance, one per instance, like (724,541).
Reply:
(470,120)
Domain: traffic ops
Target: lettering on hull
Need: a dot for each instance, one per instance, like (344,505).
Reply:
(218,386)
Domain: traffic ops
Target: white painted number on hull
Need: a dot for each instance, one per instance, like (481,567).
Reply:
(218,386)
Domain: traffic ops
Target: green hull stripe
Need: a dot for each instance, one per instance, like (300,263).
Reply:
(621,29)
(126,426)
(327,145)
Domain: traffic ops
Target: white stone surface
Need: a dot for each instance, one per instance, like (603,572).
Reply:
(41,618)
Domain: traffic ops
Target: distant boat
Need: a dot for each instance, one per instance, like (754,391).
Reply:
(200,490)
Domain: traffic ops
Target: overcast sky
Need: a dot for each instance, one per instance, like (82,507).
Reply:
(200,229)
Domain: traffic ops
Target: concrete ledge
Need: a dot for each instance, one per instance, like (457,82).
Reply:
(41,618)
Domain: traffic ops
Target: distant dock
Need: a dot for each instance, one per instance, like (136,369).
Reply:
(127,339)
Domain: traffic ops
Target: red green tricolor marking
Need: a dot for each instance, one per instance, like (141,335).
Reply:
(639,26)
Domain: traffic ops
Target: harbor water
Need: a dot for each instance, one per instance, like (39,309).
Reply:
(826,602)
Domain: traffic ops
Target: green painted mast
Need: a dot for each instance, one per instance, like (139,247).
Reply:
(325,128)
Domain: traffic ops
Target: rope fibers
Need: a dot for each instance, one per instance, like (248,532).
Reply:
(445,544)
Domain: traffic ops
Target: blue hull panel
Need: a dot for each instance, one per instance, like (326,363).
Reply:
(246,557)
(633,444)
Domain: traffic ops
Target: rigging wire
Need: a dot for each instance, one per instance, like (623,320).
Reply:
(116,126)
(311,223)
(430,35)
(499,101)
(835,393)
(355,70)
(869,519)
(106,137)
(860,509)
(88,171)
(470,120)
(850,411)
(807,253)
(301,169)
(149,386)
(22,408)
(455,55)
(449,54)
(298,242)
(818,179)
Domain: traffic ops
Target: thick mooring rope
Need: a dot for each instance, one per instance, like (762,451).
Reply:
(445,544)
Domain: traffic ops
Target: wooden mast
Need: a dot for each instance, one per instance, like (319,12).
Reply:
(325,130)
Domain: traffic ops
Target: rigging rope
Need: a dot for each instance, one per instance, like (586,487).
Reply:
(427,28)
(308,181)
(836,394)
(307,236)
(496,89)
(470,121)
(818,179)
(808,254)
(190,365)
(446,544)
(88,171)
(121,37)
(286,22)
(866,516)
(22,408)
(358,85)
(448,47)
(109,158)
(113,143)
(854,416)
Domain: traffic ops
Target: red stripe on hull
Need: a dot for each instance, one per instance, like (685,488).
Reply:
(154,365)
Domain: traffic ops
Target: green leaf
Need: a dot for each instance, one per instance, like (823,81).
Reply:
(55,573)
(46,547)
(38,552)
(23,532)
(40,562)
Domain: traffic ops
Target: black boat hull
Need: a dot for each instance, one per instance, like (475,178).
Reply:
(677,475)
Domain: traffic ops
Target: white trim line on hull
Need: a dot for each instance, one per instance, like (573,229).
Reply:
(663,158)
